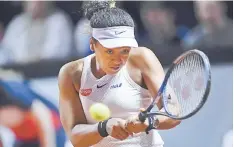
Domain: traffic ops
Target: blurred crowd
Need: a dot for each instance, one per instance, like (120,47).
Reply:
(27,118)
(44,31)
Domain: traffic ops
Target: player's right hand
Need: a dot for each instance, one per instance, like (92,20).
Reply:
(115,127)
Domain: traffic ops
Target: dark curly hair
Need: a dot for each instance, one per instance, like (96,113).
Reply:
(104,14)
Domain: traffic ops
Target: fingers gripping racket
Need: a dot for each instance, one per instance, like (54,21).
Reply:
(186,84)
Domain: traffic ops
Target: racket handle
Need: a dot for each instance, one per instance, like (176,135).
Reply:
(142,116)
(149,108)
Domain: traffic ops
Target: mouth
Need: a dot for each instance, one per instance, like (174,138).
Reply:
(116,68)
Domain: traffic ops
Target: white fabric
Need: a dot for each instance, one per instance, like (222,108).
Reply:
(42,112)
(7,137)
(112,37)
(27,41)
(124,98)
(228,139)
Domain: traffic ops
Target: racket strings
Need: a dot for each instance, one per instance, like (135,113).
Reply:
(186,83)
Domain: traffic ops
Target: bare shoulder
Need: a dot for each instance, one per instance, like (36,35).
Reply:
(140,52)
(142,56)
(71,67)
(140,63)
(71,72)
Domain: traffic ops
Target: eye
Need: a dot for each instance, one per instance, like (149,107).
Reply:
(109,52)
(125,51)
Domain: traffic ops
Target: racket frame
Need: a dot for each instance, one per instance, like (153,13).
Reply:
(144,114)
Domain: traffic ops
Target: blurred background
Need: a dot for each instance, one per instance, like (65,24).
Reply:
(38,37)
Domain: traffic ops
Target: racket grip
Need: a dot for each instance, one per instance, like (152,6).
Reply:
(142,116)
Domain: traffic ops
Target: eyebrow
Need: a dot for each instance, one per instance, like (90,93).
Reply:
(118,48)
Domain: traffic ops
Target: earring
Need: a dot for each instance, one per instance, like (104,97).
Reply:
(91,50)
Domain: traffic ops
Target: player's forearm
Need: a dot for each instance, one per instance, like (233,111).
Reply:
(84,135)
(166,122)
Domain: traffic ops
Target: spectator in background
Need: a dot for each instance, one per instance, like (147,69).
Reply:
(82,36)
(159,22)
(42,31)
(215,28)
(7,137)
(32,118)
(1,31)
(1,34)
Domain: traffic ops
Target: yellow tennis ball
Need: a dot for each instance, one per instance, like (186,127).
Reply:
(99,112)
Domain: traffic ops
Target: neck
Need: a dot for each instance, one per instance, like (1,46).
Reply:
(97,71)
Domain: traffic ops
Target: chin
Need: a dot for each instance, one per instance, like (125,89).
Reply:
(112,71)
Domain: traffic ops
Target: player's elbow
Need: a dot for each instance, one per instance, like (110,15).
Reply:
(175,123)
(77,141)
(80,139)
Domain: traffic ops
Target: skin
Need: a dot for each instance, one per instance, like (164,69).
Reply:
(148,74)
(211,14)
(12,116)
(37,9)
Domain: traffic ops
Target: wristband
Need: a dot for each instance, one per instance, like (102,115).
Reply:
(153,123)
(102,128)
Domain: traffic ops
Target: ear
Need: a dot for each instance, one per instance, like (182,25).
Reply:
(92,43)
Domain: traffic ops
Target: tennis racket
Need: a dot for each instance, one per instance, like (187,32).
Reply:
(187,82)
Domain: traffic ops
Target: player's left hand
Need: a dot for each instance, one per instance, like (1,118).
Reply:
(134,125)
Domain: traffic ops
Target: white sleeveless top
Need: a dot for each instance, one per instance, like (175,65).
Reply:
(124,98)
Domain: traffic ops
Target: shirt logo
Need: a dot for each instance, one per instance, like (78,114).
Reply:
(100,86)
(116,86)
(86,92)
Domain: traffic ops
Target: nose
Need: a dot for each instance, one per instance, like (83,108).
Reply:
(118,60)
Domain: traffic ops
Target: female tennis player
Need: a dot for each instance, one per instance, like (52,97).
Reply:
(119,74)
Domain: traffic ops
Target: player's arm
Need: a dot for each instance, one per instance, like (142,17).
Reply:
(153,75)
(72,115)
